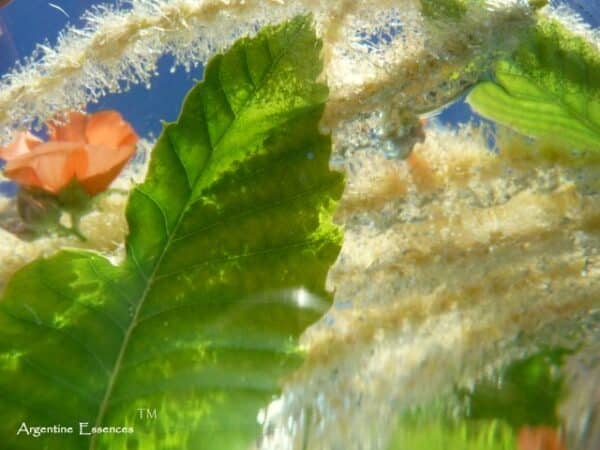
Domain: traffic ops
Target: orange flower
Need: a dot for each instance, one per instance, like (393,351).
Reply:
(539,438)
(91,149)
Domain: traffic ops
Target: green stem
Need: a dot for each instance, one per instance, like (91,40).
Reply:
(73,231)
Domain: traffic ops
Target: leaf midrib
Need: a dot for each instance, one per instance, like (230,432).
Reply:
(151,278)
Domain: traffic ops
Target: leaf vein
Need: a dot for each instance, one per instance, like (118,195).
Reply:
(225,219)
(47,326)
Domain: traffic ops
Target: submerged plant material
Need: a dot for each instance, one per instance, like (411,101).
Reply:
(459,266)
(456,261)
(528,395)
(433,433)
(201,318)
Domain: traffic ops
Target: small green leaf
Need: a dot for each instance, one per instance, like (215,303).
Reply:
(537,4)
(230,240)
(549,90)
(444,9)
(528,394)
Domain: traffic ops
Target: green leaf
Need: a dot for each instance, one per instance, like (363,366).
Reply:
(230,241)
(528,393)
(549,90)
(428,430)
(524,393)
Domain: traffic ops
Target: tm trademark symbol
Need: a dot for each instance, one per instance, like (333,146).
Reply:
(147,413)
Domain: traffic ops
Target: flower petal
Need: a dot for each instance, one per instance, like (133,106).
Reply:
(104,164)
(108,129)
(73,130)
(23,142)
(51,167)
(93,149)
(539,438)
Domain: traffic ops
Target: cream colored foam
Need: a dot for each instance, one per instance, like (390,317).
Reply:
(447,258)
